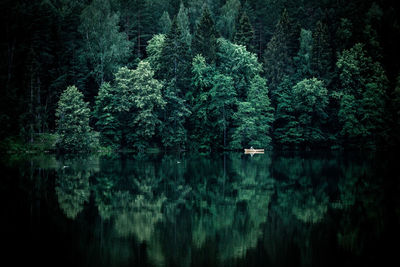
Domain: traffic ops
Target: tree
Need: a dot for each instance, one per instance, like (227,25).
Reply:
(105,47)
(74,132)
(303,58)
(107,114)
(245,33)
(362,97)
(127,111)
(199,123)
(321,60)
(154,51)
(222,103)
(310,104)
(173,132)
(183,23)
(279,53)
(164,23)
(254,117)
(146,99)
(238,63)
(204,41)
(226,24)
(175,59)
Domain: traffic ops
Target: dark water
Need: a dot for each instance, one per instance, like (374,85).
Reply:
(313,209)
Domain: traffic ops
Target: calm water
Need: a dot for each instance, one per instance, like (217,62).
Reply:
(313,209)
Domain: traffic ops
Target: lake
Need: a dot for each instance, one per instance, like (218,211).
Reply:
(273,209)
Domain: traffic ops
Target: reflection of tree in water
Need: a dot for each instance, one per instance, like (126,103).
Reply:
(300,202)
(239,200)
(361,203)
(72,184)
(73,192)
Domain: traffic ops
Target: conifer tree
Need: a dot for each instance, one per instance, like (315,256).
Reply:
(321,59)
(165,23)
(204,41)
(279,52)
(183,23)
(175,59)
(245,33)
(73,130)
(226,24)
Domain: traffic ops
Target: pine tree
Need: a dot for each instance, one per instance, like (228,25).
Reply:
(321,60)
(73,130)
(183,23)
(204,41)
(245,33)
(165,23)
(226,24)
(279,53)
(175,59)
(303,58)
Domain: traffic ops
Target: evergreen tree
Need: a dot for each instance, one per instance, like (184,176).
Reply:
(204,41)
(245,33)
(183,23)
(165,23)
(279,53)
(226,24)
(303,58)
(175,59)
(107,114)
(362,97)
(321,60)
(73,130)
(254,117)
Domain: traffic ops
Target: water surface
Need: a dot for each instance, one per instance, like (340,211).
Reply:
(276,209)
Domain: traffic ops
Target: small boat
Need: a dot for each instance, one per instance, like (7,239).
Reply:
(253,151)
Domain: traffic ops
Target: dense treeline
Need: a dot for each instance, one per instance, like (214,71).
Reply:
(201,74)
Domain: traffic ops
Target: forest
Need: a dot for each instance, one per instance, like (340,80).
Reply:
(199,75)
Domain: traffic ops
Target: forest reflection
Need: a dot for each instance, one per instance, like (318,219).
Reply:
(191,210)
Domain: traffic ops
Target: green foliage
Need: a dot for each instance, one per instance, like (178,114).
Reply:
(226,24)
(74,132)
(278,57)
(105,47)
(204,41)
(254,118)
(221,107)
(127,111)
(154,50)
(164,23)
(362,97)
(183,23)
(321,59)
(245,33)
(303,58)
(238,63)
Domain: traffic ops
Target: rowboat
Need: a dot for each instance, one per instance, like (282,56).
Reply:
(253,151)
